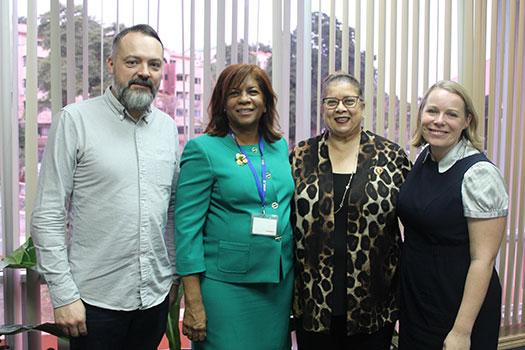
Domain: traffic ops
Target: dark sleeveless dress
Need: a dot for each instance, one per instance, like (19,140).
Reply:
(435,259)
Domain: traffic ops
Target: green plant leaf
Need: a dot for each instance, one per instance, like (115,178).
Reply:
(50,328)
(24,257)
(172,328)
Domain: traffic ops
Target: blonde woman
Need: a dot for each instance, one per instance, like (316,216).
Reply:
(453,206)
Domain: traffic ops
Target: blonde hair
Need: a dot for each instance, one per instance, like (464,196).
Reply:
(470,133)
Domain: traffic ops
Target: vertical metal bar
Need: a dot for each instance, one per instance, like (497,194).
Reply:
(438,36)
(31,110)
(369,65)
(447,39)
(221,17)
(460,6)
(509,149)
(9,165)
(277,51)
(331,39)
(70,50)
(501,81)
(426,46)
(319,70)
(246,41)
(478,59)
(466,46)
(192,70)
(492,78)
(415,73)
(184,112)
(284,100)
(307,68)
(85,51)
(56,81)
(381,58)
(31,162)
(518,163)
(257,34)
(520,95)
(299,81)
(345,38)
(158,15)
(303,116)
(404,75)
(482,61)
(357,47)
(206,78)
(392,79)
(500,118)
(102,47)
(117,23)
(234,52)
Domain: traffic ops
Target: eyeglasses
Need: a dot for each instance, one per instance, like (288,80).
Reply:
(348,101)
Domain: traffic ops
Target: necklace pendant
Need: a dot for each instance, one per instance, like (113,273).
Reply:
(347,187)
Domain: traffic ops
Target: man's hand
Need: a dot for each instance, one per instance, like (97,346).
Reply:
(72,318)
(174,293)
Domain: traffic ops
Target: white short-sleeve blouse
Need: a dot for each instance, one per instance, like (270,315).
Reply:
(483,189)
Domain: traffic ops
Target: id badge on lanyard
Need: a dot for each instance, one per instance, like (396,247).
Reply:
(262,223)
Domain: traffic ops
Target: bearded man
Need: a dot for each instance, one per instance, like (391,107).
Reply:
(110,166)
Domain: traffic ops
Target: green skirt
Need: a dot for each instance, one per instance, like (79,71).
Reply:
(251,316)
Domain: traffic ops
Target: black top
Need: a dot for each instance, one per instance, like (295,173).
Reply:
(341,218)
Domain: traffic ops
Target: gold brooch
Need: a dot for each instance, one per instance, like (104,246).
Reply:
(240,159)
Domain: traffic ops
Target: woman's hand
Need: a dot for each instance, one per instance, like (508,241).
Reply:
(485,237)
(194,321)
(457,341)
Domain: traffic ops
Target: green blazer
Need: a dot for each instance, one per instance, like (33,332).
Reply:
(214,202)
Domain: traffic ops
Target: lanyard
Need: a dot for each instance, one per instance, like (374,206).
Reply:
(260,187)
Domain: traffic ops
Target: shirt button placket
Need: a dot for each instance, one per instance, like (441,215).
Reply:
(143,213)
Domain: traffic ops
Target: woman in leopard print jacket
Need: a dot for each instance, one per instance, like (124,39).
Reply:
(346,233)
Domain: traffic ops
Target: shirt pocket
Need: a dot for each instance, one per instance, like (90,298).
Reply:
(233,257)
(164,167)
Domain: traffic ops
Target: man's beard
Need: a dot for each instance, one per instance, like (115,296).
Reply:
(135,100)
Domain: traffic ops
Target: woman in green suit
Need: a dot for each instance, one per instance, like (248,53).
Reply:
(233,233)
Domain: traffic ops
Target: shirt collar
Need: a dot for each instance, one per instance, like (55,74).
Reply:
(462,149)
(120,110)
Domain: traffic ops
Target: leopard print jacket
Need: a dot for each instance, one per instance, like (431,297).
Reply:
(373,238)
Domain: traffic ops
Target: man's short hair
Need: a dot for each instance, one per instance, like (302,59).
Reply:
(139,28)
